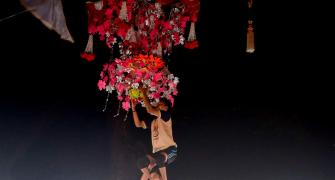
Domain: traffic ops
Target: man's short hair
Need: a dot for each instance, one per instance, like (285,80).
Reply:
(166,102)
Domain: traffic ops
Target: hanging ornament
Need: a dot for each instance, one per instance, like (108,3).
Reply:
(192,39)
(250,31)
(88,54)
(123,12)
(250,38)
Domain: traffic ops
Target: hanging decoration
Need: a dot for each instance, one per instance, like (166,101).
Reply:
(143,26)
(128,76)
(250,38)
(144,32)
(250,31)
(88,53)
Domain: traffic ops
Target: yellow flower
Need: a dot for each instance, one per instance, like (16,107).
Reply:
(135,93)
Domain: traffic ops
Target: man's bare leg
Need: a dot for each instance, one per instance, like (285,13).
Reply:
(155,176)
(162,171)
(146,171)
(146,174)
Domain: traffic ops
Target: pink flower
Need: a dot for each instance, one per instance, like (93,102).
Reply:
(171,99)
(127,98)
(156,95)
(120,88)
(105,66)
(146,76)
(105,79)
(153,84)
(102,74)
(101,85)
(120,98)
(157,77)
(119,72)
(138,73)
(126,105)
(162,89)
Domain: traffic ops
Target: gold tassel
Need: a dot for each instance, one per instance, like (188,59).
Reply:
(191,35)
(98,5)
(123,12)
(89,46)
(88,54)
(191,42)
(250,38)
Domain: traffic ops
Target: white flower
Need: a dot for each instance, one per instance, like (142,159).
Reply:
(170,76)
(109,88)
(167,93)
(128,70)
(152,89)
(107,34)
(135,85)
(148,81)
(119,67)
(176,80)
(118,78)
(181,39)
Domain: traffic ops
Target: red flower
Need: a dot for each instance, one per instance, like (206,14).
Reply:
(126,105)
(191,44)
(88,56)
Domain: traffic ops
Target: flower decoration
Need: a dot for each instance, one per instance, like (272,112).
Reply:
(143,26)
(143,71)
(144,31)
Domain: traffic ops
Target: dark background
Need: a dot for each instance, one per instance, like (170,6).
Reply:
(268,115)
